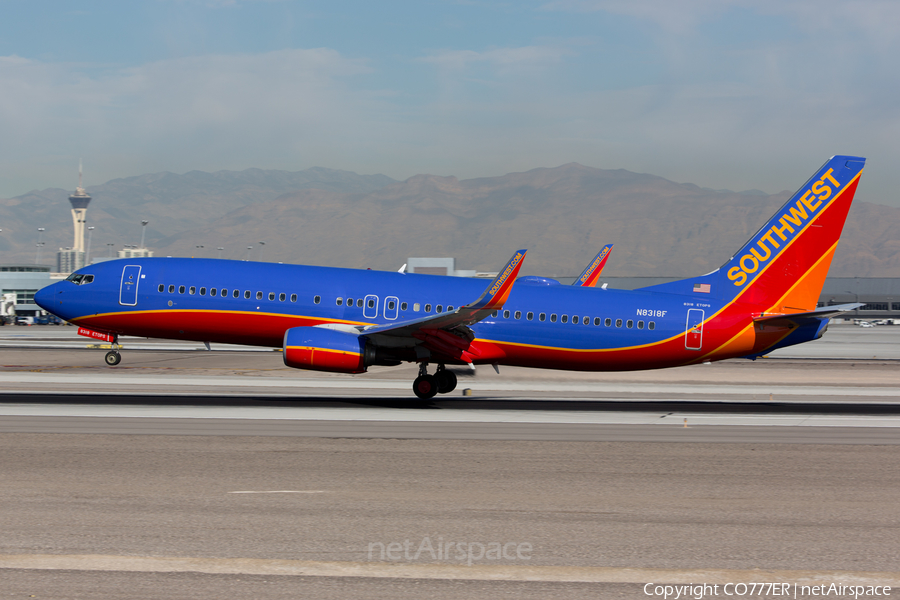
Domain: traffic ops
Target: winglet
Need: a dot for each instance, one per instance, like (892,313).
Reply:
(591,274)
(497,293)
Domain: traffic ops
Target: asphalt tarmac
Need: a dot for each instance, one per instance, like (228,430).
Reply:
(192,474)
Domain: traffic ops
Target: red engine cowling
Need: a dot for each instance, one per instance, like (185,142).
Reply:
(321,349)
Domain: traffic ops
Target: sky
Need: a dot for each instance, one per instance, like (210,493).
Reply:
(736,94)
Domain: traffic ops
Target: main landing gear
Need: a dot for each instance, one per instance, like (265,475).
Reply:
(427,386)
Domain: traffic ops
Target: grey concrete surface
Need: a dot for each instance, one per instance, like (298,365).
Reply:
(585,504)
(82,585)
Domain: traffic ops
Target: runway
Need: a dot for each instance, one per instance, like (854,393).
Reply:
(188,473)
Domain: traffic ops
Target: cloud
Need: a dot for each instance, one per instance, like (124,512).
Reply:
(503,58)
(197,111)
(876,18)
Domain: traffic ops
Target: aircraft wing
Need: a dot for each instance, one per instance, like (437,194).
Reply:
(591,274)
(434,331)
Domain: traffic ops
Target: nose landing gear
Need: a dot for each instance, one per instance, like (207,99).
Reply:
(113,358)
(428,386)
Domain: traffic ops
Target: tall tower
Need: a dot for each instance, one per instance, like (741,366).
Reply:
(79,201)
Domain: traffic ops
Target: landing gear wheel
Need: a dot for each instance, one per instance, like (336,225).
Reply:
(425,387)
(446,381)
(113,358)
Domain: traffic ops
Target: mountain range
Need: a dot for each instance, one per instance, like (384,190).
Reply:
(563,215)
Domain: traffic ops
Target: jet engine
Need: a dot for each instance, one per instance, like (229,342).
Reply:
(326,349)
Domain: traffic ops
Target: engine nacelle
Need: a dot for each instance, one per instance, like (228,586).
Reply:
(322,349)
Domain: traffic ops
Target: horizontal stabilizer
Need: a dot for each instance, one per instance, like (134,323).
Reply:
(819,313)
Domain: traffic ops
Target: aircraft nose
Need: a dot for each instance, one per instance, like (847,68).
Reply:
(44,296)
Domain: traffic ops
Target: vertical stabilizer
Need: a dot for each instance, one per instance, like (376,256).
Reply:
(783,267)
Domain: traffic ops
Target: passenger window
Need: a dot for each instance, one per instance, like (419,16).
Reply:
(596,321)
(272,296)
(428,308)
(224,292)
(495,313)
(575,320)
(213,291)
(171,289)
(607,322)
(618,322)
(529,316)
(202,291)
(282,296)
(359,302)
(505,314)
(349,301)
(180,289)
(247,294)
(404,306)
(542,317)
(162,287)
(518,314)
(259,295)
(371,303)
(339,301)
(629,324)
(553,317)
(316,299)
(416,307)
(236,293)
(651,325)
(564,318)
(391,305)
(294,298)
(449,308)
(640,324)
(439,308)
(193,290)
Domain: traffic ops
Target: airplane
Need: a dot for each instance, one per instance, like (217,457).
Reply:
(591,275)
(343,320)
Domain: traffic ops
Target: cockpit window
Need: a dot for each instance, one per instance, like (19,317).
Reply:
(80,278)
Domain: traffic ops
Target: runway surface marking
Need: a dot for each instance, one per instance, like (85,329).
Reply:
(145,382)
(442,415)
(481,572)
(279,492)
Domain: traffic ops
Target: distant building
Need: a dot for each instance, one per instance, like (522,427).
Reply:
(68,260)
(441,266)
(134,253)
(24,281)
(72,259)
(79,201)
